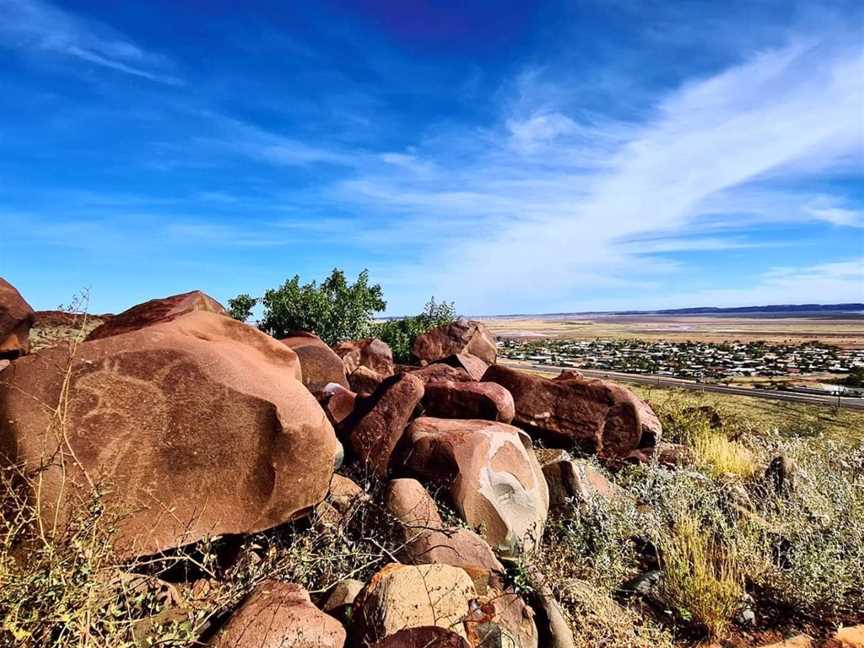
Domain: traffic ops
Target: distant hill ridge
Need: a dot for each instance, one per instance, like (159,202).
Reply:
(776,309)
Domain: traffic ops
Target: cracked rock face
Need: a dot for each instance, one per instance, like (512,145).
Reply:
(494,480)
(195,427)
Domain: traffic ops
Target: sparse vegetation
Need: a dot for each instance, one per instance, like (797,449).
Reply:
(334,310)
(400,333)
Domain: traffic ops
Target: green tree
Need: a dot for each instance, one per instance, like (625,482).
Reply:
(335,310)
(401,333)
(240,307)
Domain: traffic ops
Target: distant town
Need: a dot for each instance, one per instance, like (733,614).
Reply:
(699,361)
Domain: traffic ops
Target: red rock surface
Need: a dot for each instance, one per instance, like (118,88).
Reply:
(423,637)
(372,353)
(378,422)
(196,427)
(493,478)
(155,311)
(16,318)
(468,400)
(439,371)
(319,363)
(280,615)
(597,416)
(461,336)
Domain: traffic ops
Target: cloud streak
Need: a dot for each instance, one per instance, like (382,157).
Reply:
(39,28)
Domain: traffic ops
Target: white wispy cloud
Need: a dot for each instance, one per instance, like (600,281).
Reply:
(39,28)
(544,199)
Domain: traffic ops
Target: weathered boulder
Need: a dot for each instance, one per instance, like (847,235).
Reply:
(425,537)
(472,365)
(197,427)
(461,336)
(849,637)
(338,402)
(423,637)
(594,415)
(378,422)
(672,455)
(364,381)
(277,615)
(157,311)
(438,372)
(340,601)
(408,501)
(493,478)
(468,400)
(320,364)
(410,596)
(371,353)
(501,619)
(576,479)
(16,318)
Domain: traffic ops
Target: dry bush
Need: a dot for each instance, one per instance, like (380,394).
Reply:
(702,580)
(719,456)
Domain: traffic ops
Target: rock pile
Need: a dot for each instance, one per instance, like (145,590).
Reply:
(198,425)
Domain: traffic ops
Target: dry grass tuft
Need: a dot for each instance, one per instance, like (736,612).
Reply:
(702,580)
(719,456)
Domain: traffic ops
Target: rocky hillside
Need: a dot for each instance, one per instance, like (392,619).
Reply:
(175,477)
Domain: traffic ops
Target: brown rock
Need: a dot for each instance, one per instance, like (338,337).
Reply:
(345,493)
(338,402)
(372,353)
(471,364)
(595,415)
(673,455)
(410,596)
(319,363)
(574,479)
(801,641)
(439,372)
(501,618)
(157,311)
(408,501)
(423,637)
(277,615)
(4,364)
(468,400)
(493,478)
(851,637)
(197,426)
(461,336)
(341,599)
(16,318)
(364,381)
(427,540)
(378,422)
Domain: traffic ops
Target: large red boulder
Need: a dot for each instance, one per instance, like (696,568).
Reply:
(193,428)
(155,311)
(320,364)
(595,415)
(439,371)
(280,615)
(468,400)
(372,353)
(423,637)
(493,478)
(378,422)
(459,337)
(16,318)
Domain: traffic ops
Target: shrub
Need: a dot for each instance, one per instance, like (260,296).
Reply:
(240,307)
(702,580)
(400,334)
(717,455)
(335,310)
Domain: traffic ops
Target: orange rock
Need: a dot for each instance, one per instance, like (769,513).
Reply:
(195,427)
(16,318)
(319,363)
(851,637)
(155,311)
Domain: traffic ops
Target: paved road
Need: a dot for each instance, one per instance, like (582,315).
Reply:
(665,381)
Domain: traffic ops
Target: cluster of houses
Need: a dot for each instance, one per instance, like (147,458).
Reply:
(691,360)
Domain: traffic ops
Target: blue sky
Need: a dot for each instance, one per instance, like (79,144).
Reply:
(512,156)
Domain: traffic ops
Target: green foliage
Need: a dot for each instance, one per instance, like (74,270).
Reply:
(240,307)
(855,378)
(335,310)
(400,334)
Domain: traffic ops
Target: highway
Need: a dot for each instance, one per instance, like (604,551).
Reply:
(666,381)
